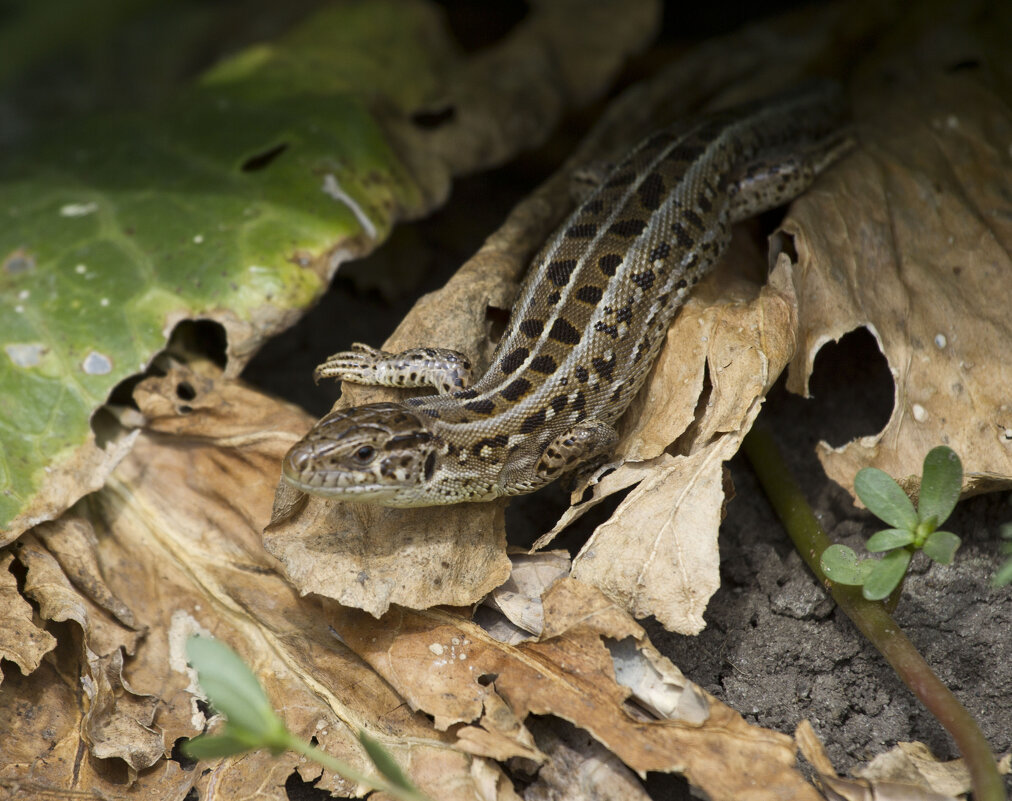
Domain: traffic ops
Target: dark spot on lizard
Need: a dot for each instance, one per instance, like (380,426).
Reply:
(589,294)
(581,374)
(605,369)
(485,406)
(559,272)
(582,231)
(643,280)
(564,332)
(660,252)
(651,191)
(608,263)
(513,360)
(628,227)
(544,364)
(681,235)
(533,422)
(532,327)
(516,389)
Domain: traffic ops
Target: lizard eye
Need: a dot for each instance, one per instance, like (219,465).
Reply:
(365,454)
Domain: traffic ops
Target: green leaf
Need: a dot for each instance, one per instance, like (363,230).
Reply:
(235,692)
(223,204)
(941,546)
(1003,576)
(884,498)
(384,762)
(886,575)
(216,746)
(840,564)
(941,484)
(889,538)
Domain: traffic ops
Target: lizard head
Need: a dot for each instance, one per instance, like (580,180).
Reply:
(378,453)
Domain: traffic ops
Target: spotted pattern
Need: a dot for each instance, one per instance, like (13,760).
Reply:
(592,314)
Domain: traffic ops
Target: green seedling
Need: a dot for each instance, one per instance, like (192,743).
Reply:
(252,723)
(910,529)
(1004,574)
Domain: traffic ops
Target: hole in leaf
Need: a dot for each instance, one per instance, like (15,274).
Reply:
(430,119)
(297,787)
(185,391)
(486,679)
(264,158)
(185,762)
(204,338)
(851,387)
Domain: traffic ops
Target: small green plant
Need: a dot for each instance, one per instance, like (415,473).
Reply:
(911,530)
(252,723)
(1004,574)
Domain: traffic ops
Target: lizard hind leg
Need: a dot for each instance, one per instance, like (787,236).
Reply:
(583,448)
(439,368)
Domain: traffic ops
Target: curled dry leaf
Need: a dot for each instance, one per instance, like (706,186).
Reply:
(518,611)
(21,640)
(176,536)
(913,242)
(446,666)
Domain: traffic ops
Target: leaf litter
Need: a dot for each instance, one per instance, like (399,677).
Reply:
(171,546)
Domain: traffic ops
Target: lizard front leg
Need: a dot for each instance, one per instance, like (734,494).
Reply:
(439,368)
(582,448)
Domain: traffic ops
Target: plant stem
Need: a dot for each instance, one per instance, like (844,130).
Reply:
(871,617)
(346,771)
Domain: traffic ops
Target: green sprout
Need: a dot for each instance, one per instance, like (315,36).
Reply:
(911,530)
(1004,574)
(252,723)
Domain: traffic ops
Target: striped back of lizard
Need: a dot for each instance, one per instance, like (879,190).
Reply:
(593,311)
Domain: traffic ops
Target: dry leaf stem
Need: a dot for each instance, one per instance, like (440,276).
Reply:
(871,617)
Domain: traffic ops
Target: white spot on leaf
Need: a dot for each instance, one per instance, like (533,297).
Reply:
(96,363)
(919,412)
(940,341)
(78,209)
(436,648)
(26,355)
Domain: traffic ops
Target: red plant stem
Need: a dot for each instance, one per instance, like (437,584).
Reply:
(871,617)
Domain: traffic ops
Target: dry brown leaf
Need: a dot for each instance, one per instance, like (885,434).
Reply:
(446,666)
(518,599)
(21,640)
(911,238)
(913,763)
(176,532)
